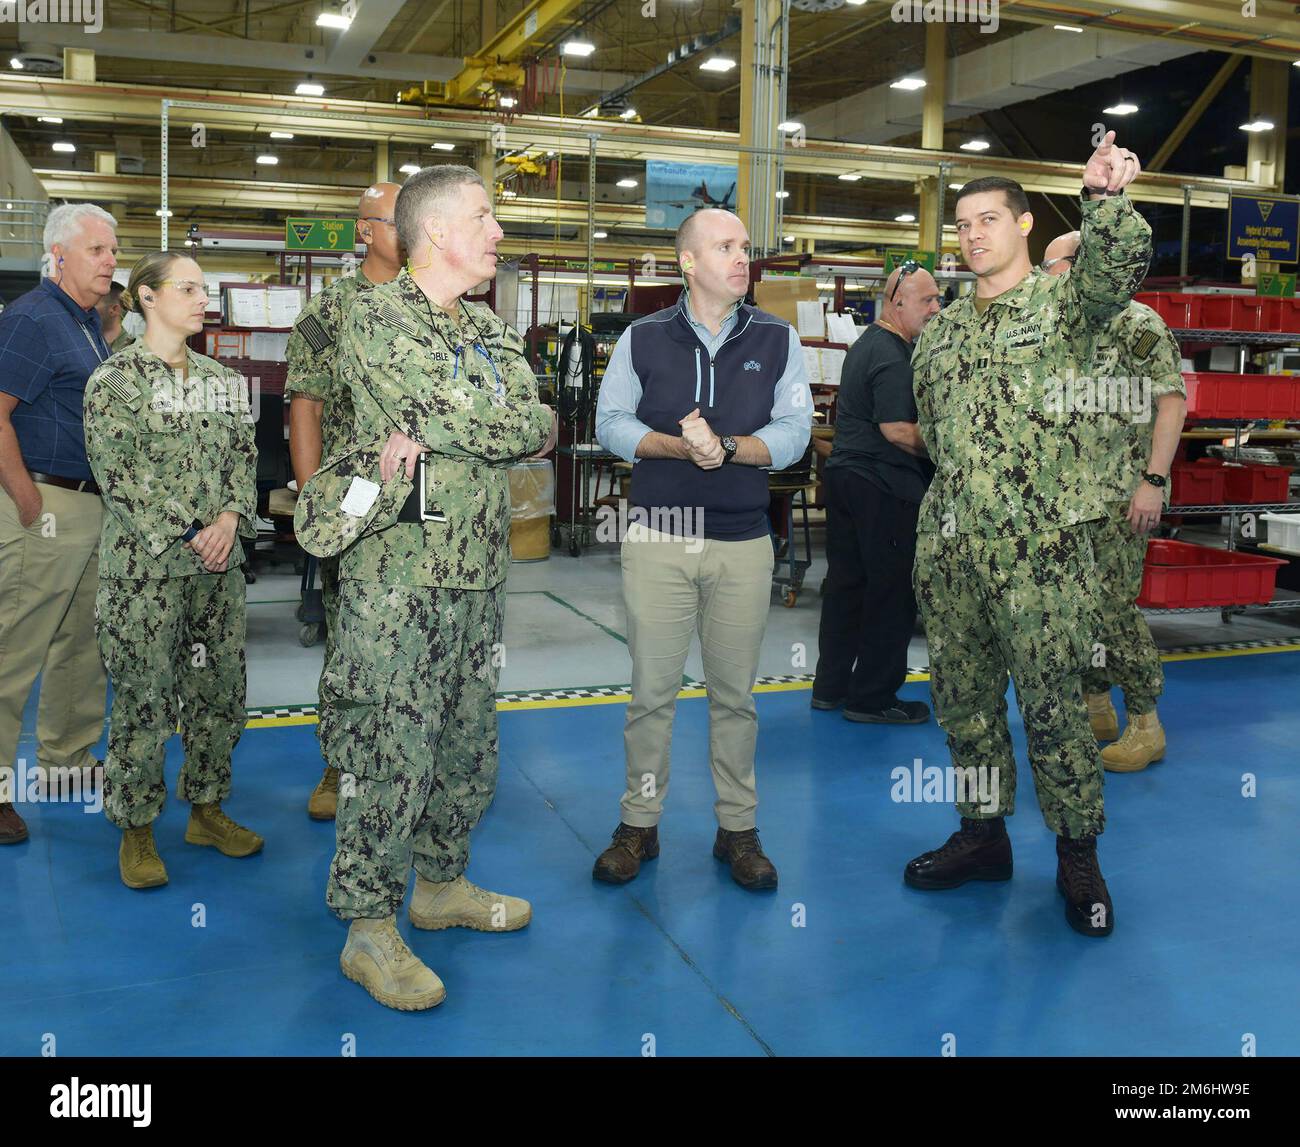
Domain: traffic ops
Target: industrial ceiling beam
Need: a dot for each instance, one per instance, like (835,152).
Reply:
(1193,114)
(498,59)
(358,119)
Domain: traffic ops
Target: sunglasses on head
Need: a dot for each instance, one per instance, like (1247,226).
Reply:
(905,268)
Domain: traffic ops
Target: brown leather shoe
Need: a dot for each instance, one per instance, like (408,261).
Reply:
(621,861)
(12,828)
(750,868)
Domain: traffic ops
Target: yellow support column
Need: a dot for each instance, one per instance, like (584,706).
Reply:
(1266,150)
(929,228)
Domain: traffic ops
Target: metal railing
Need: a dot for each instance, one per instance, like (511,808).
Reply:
(22,229)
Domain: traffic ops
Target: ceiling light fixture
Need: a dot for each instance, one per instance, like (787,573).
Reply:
(49,119)
(408,169)
(310,87)
(627,183)
(1254,125)
(1120,109)
(790,125)
(975,145)
(62,145)
(783,195)
(282,135)
(627,113)
(904,218)
(507,102)
(909,84)
(717,64)
(600,234)
(578,48)
(268,160)
(1066,28)
(334,20)
(159,213)
(443,146)
(850,177)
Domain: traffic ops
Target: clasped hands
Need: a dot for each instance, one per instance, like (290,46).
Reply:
(703,447)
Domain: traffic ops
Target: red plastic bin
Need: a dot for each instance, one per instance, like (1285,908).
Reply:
(1215,394)
(1197,484)
(1289,315)
(1179,310)
(1179,575)
(1253,482)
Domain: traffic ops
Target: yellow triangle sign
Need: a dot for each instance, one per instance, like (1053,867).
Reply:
(1265,209)
(302,230)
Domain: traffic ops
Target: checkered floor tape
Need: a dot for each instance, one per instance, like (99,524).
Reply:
(608,694)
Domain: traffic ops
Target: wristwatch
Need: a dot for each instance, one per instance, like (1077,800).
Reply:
(729,447)
(1155,480)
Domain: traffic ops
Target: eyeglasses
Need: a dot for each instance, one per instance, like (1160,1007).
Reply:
(377,219)
(905,268)
(1048,264)
(187,287)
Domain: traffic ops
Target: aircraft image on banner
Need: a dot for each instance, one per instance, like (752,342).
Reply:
(700,199)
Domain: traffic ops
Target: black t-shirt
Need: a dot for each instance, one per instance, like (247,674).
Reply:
(876,387)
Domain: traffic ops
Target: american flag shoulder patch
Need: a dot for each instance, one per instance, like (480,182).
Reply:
(313,330)
(1145,344)
(119,385)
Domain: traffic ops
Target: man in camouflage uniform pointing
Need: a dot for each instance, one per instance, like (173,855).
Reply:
(410,716)
(1136,363)
(1004,557)
(320,413)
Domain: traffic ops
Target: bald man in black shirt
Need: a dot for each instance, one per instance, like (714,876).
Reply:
(875,478)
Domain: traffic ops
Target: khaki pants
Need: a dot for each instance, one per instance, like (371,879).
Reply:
(671,588)
(48,575)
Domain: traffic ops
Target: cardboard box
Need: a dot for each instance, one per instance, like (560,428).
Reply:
(781,297)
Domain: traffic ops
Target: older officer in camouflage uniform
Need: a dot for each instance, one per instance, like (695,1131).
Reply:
(1136,362)
(170,442)
(320,413)
(410,687)
(1004,557)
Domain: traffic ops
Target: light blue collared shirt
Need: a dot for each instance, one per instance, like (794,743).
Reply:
(620,431)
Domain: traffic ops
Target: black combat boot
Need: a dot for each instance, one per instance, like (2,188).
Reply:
(979,850)
(1088,908)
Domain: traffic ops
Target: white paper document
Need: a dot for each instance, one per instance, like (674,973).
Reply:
(360,497)
(812,320)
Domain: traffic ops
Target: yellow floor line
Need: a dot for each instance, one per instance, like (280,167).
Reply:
(773,687)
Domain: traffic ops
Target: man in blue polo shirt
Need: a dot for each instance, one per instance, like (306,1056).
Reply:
(50,511)
(703,397)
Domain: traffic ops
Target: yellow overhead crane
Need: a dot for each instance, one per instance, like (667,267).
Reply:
(498,63)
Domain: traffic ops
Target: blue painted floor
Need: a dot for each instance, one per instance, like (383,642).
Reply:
(1205,947)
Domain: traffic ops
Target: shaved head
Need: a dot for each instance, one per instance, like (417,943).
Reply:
(1060,253)
(695,227)
(378,200)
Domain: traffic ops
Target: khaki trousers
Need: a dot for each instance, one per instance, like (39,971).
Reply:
(49,572)
(672,588)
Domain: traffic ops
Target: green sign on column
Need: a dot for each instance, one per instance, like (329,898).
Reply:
(320,234)
(1276,283)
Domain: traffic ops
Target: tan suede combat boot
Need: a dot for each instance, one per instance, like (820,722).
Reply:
(376,957)
(138,859)
(460,904)
(1102,716)
(210,826)
(323,803)
(1142,743)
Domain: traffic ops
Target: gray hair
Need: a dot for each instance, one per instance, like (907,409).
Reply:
(425,193)
(66,221)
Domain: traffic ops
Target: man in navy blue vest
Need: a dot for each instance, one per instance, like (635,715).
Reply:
(704,398)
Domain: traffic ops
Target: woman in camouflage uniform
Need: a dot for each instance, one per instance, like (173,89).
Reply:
(170,442)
